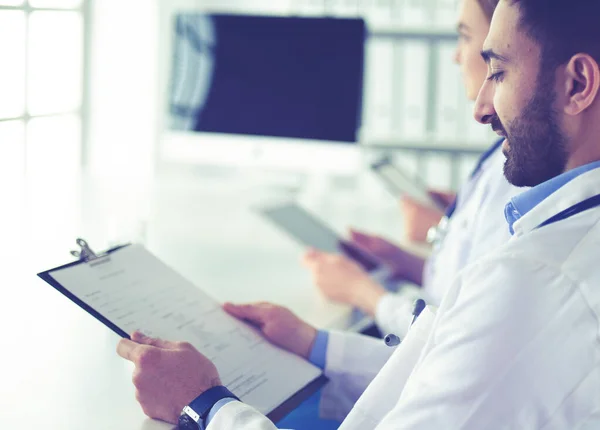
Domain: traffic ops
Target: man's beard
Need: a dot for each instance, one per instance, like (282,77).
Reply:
(537,147)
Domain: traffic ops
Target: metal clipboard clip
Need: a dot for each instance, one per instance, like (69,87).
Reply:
(85,254)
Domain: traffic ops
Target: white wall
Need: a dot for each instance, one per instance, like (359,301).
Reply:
(124,89)
(123,113)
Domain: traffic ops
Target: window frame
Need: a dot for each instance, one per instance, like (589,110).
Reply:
(82,112)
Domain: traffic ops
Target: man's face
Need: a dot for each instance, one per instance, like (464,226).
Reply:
(518,100)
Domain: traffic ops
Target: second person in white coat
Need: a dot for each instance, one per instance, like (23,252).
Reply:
(474,223)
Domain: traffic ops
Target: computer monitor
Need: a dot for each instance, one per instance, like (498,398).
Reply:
(261,90)
(294,77)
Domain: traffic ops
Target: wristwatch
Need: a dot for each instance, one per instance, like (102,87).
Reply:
(193,416)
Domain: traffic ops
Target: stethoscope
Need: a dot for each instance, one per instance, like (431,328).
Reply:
(587,204)
(437,234)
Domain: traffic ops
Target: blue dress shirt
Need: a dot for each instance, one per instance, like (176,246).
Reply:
(523,203)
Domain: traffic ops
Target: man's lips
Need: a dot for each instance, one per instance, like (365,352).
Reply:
(499,132)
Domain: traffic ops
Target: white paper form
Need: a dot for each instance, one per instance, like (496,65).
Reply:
(136,291)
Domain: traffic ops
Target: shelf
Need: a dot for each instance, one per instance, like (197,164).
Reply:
(428,145)
(402,32)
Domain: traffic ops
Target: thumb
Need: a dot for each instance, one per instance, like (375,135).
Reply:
(445,197)
(311,257)
(253,313)
(142,339)
(127,349)
(406,200)
(363,240)
(355,234)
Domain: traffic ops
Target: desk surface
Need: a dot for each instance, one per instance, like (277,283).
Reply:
(58,365)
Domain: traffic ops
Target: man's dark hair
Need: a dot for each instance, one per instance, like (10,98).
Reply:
(562,28)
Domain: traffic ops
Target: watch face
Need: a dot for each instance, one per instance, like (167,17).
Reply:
(187,423)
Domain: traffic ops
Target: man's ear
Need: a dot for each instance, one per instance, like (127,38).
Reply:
(582,82)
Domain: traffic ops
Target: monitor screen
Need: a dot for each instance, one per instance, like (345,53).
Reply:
(268,76)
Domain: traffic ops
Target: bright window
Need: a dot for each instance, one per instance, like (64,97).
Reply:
(41,113)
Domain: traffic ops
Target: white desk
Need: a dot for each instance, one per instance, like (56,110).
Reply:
(58,366)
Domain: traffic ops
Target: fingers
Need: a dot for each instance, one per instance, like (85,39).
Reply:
(435,193)
(324,260)
(359,237)
(233,310)
(308,256)
(312,256)
(128,349)
(255,313)
(364,241)
(408,203)
(441,194)
(159,343)
(445,197)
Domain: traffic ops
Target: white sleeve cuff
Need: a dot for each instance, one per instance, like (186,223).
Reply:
(240,416)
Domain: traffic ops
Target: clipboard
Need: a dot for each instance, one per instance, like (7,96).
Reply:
(87,256)
(84,255)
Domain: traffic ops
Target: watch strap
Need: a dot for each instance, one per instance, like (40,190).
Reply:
(200,407)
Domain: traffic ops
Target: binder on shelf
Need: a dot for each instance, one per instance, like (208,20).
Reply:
(475,134)
(446,12)
(438,168)
(449,103)
(378,88)
(397,90)
(343,8)
(308,7)
(414,89)
(415,13)
(378,12)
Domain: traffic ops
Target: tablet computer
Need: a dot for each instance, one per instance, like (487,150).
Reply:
(310,231)
(399,183)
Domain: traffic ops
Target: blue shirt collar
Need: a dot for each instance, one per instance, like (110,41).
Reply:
(524,202)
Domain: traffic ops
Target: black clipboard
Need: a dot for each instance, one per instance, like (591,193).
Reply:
(87,256)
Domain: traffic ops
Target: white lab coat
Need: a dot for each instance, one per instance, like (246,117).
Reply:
(515,343)
(477,227)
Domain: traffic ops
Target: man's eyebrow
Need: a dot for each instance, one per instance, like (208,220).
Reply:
(489,55)
(462,26)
